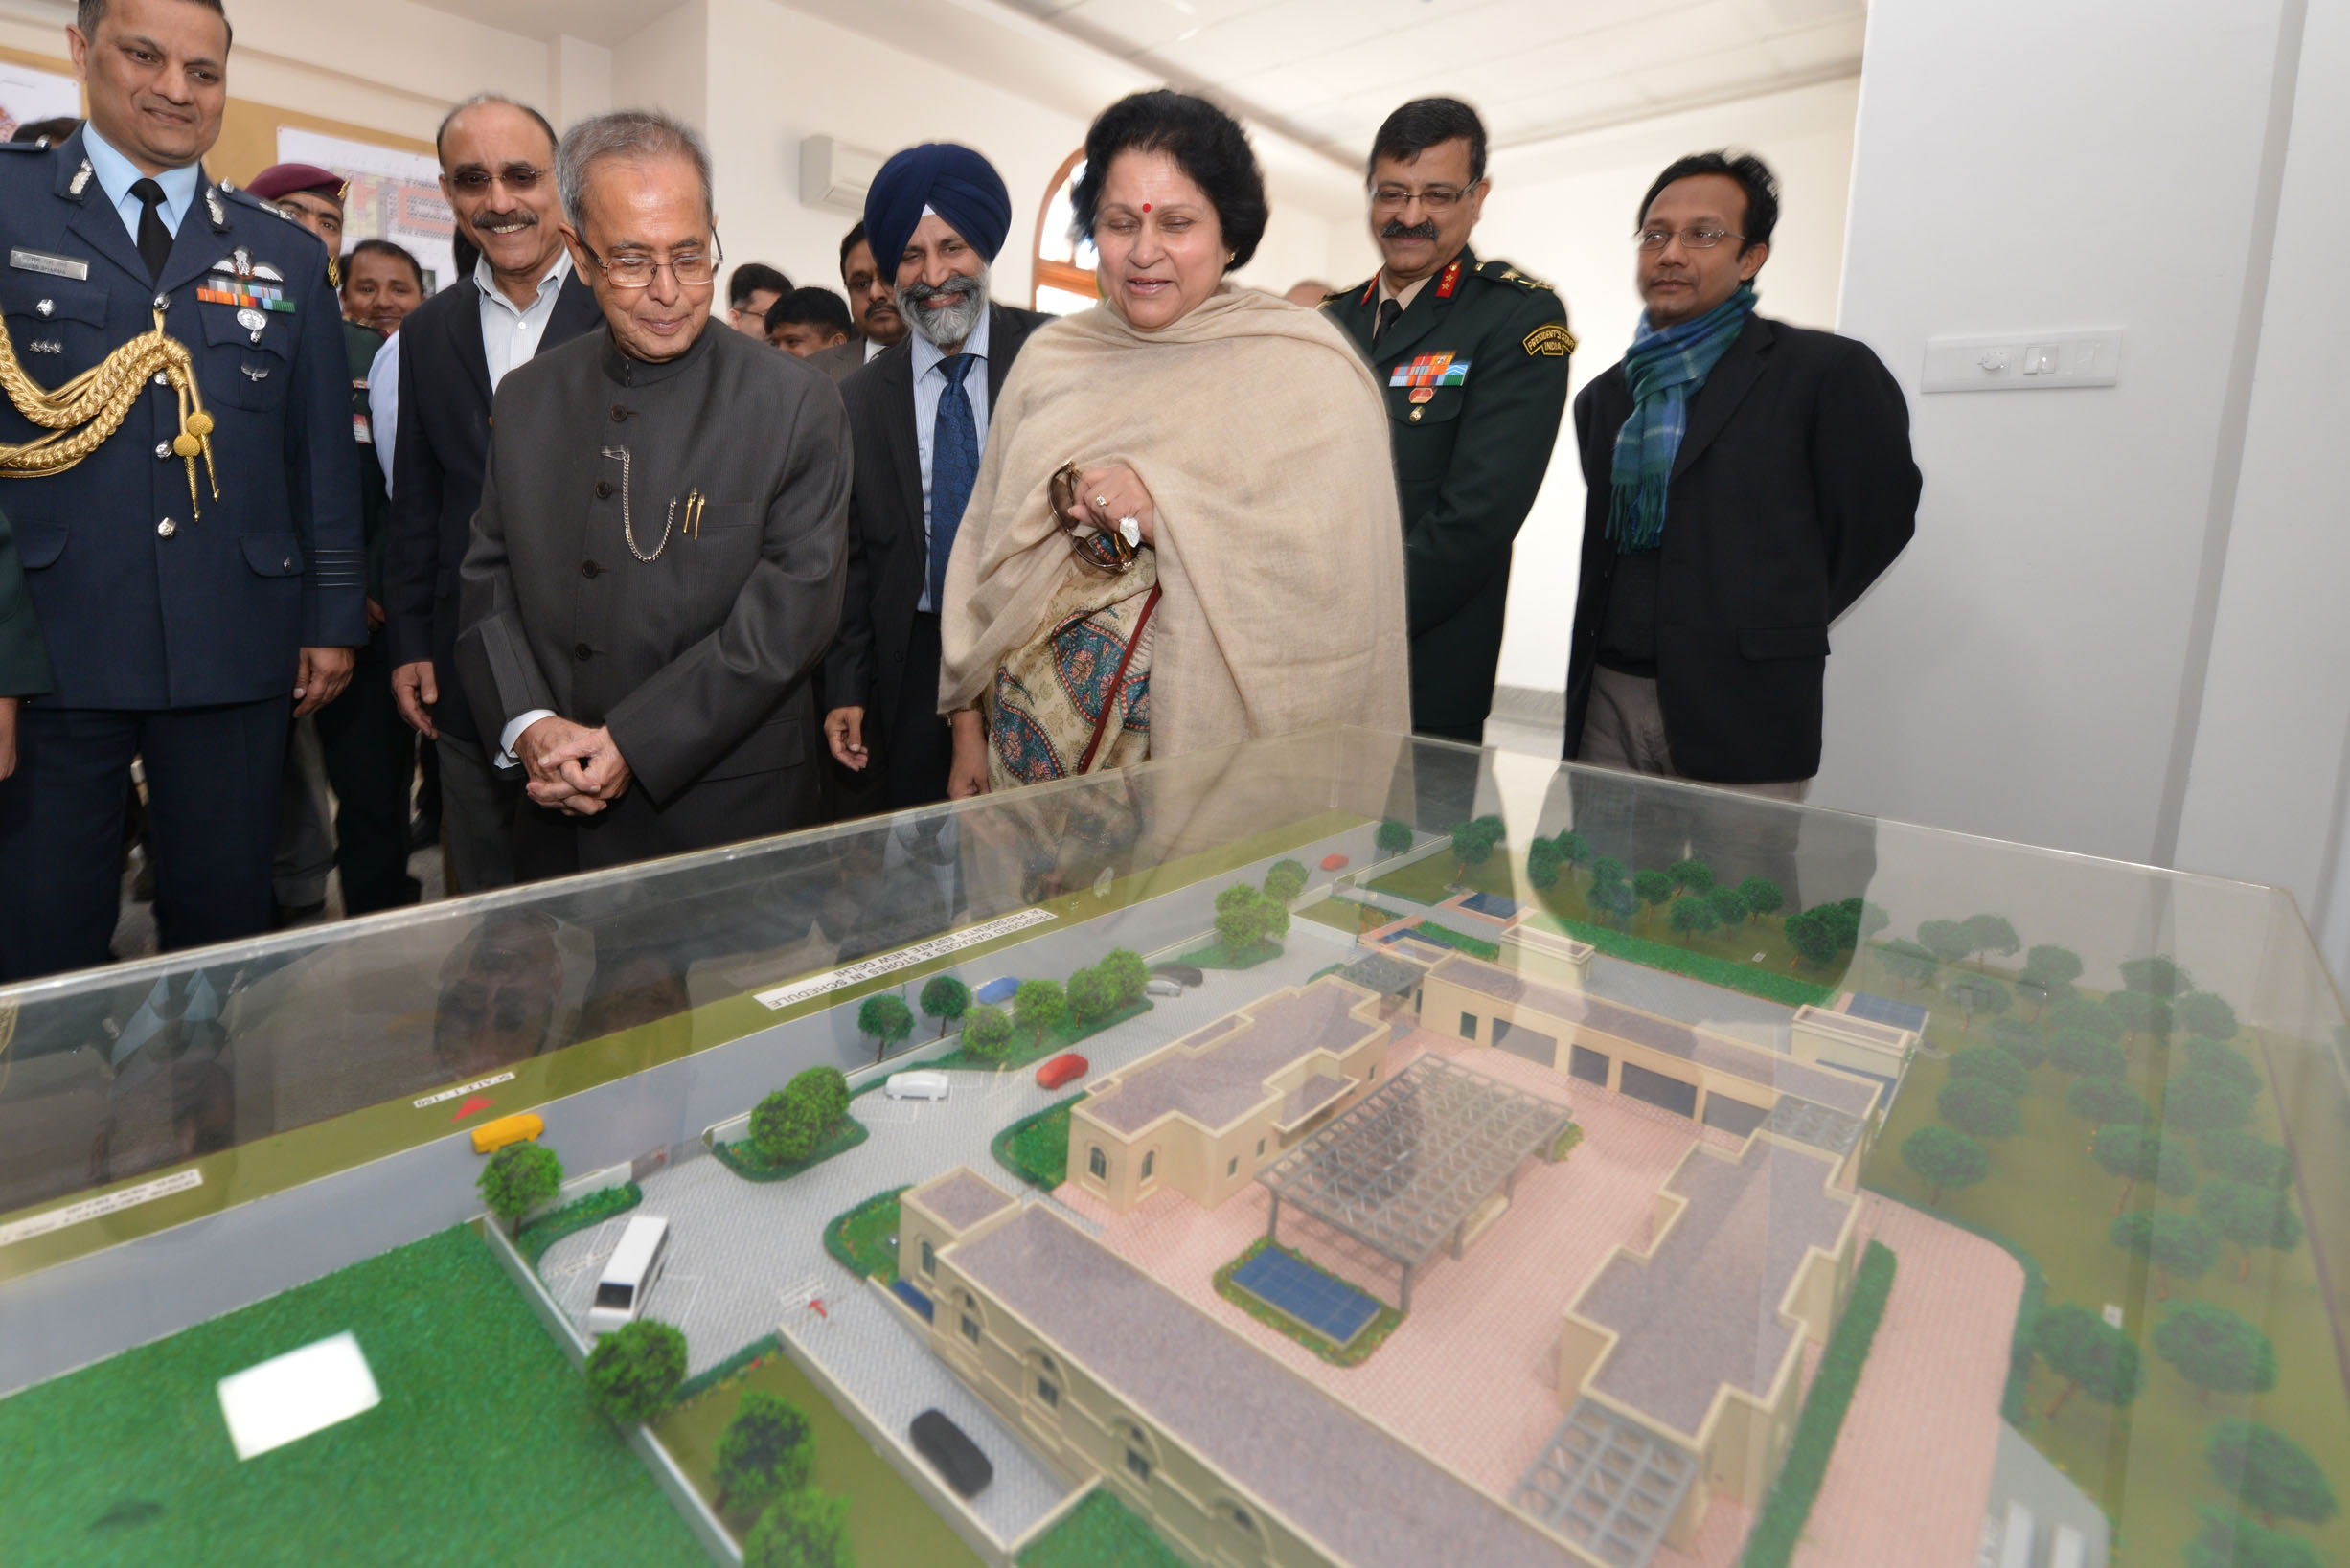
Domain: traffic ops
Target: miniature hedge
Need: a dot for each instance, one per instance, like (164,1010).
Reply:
(1730,974)
(1442,936)
(1214,956)
(743,1159)
(1061,1037)
(1036,1149)
(748,1356)
(1101,1532)
(1779,1527)
(864,1239)
(1373,1335)
(597,1207)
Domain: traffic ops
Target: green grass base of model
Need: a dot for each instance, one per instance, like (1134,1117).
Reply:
(484,1446)
(1101,1532)
(1352,1353)
(741,1157)
(889,1523)
(864,1241)
(1779,1527)
(1036,1149)
(1216,956)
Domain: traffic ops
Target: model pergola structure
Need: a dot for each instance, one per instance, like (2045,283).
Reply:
(1407,1167)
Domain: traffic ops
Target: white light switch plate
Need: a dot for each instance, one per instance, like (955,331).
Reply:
(2023,362)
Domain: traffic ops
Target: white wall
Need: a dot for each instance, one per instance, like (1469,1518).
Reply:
(1564,211)
(2020,672)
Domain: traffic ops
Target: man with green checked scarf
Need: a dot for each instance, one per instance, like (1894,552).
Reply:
(1746,481)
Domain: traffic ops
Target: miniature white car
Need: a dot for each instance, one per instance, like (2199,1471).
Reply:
(1163,987)
(632,1270)
(916,1086)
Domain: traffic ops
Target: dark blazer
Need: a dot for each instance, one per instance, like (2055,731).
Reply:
(889,550)
(24,657)
(148,599)
(1468,460)
(442,443)
(696,658)
(840,361)
(1793,492)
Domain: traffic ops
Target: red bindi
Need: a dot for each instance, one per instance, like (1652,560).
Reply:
(1145,206)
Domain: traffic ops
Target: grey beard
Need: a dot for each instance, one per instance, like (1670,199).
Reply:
(952,327)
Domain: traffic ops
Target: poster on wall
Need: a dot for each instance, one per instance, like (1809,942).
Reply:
(28,95)
(393,196)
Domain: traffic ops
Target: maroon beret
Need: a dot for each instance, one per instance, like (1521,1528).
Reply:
(280,180)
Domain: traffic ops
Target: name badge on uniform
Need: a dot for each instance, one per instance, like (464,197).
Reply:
(54,266)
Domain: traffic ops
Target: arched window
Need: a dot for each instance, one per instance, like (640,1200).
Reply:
(1063,269)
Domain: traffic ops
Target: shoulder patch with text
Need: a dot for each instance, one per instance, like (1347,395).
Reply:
(1551,339)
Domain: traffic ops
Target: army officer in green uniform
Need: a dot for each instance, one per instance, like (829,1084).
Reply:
(1474,358)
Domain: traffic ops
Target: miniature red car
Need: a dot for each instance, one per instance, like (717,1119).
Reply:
(1067,1068)
(1333,862)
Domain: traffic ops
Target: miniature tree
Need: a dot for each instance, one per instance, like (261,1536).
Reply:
(2250,1216)
(1990,1065)
(1038,1005)
(2179,1246)
(517,1179)
(947,999)
(1573,847)
(2207,1016)
(2210,1056)
(987,1033)
(2079,1013)
(766,1450)
(1977,993)
(2214,1349)
(1980,1109)
(1908,963)
(1691,875)
(2091,1355)
(1474,844)
(1274,919)
(1947,940)
(2269,1472)
(1241,914)
(1992,934)
(632,1371)
(2138,1153)
(803,1528)
(1868,919)
(1654,889)
(2105,1100)
(1543,864)
(2246,1156)
(2079,1051)
(1615,898)
(2055,968)
(2230,1540)
(1608,869)
(887,1018)
(1393,837)
(783,1132)
(1941,1158)
(1809,937)
(1092,996)
(1285,880)
(1127,972)
(1763,896)
(1729,907)
(2019,1040)
(823,1093)
(1842,918)
(2156,976)
(2140,1013)
(1692,917)
(2198,1101)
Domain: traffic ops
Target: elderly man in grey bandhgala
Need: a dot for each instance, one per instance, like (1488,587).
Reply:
(658,562)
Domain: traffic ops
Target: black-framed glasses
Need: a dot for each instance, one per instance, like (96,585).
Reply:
(473,180)
(1436,198)
(1699,239)
(693,268)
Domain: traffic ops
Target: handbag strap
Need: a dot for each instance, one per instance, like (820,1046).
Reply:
(1109,699)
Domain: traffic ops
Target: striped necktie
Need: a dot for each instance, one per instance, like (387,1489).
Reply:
(954,468)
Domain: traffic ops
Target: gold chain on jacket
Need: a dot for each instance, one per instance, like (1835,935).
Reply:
(93,405)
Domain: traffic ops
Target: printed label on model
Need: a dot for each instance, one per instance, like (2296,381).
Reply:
(873,969)
(474,1087)
(74,1213)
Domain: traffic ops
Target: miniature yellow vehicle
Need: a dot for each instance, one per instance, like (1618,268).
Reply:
(491,1136)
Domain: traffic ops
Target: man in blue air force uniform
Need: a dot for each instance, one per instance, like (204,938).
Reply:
(196,567)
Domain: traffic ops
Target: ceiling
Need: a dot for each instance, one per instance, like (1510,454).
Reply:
(602,22)
(1329,71)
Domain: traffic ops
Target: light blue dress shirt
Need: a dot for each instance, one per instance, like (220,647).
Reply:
(116,174)
(930,384)
(511,334)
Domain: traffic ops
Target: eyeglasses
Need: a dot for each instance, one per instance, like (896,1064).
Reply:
(1102,550)
(1690,238)
(1436,198)
(692,269)
(475,180)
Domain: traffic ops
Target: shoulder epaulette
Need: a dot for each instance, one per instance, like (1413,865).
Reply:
(1336,295)
(24,146)
(249,199)
(1503,272)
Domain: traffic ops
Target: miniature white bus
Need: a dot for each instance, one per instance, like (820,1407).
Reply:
(628,1275)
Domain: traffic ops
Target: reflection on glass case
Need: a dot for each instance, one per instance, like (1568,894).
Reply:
(1339,1150)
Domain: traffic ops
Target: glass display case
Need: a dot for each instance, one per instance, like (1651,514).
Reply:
(1338,1149)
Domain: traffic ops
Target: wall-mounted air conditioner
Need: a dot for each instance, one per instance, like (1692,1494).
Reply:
(834,174)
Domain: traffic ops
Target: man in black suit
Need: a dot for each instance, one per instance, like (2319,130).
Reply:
(1748,479)
(497,168)
(917,421)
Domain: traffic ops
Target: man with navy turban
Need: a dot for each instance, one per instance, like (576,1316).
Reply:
(935,217)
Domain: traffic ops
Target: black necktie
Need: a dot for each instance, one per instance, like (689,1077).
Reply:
(1388,310)
(154,240)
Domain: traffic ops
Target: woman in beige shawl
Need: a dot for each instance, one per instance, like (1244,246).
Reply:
(1237,439)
